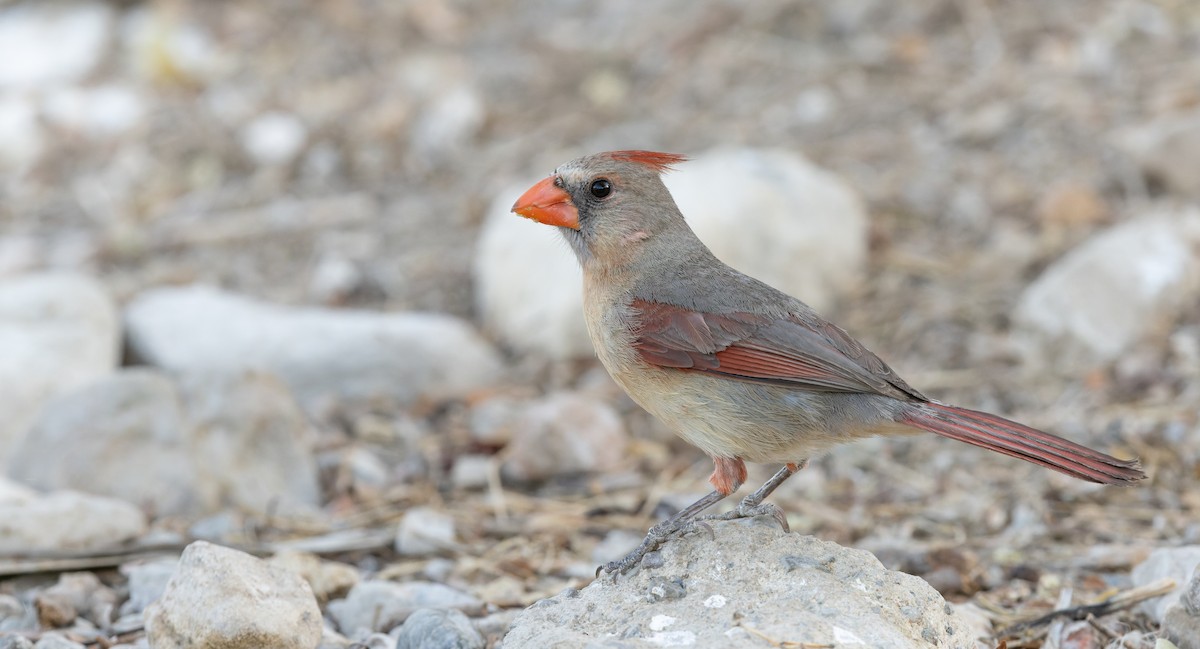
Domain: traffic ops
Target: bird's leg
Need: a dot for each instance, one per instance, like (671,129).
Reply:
(753,505)
(728,474)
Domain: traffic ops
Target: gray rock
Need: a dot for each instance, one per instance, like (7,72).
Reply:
(381,605)
(14,615)
(76,593)
(433,628)
(424,530)
(147,582)
(252,442)
(68,520)
(1103,296)
(710,591)
(1182,620)
(55,641)
(121,436)
(225,599)
(808,238)
(57,332)
(1166,563)
(564,434)
(15,642)
(317,352)
(1167,149)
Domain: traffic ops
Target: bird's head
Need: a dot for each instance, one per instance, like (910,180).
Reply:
(609,205)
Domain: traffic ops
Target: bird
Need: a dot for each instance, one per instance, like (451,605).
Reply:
(738,369)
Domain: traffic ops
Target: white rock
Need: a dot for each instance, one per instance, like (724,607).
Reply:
(57,331)
(565,434)
(424,530)
(147,582)
(49,42)
(430,628)
(318,352)
(1166,563)
(101,111)
(120,436)
(161,48)
(776,217)
(1103,296)
(252,442)
(68,520)
(788,586)
(274,138)
(449,123)
(21,139)
(224,599)
(469,472)
(55,641)
(381,605)
(15,493)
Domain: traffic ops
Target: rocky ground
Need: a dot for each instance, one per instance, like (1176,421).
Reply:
(260,296)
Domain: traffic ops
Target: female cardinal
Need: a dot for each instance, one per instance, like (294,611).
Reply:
(735,367)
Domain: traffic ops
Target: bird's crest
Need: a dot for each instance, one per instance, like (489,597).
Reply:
(660,162)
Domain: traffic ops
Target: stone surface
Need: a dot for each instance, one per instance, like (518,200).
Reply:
(432,628)
(711,591)
(224,599)
(424,530)
(1182,620)
(55,641)
(317,352)
(68,520)
(564,434)
(1166,563)
(252,442)
(808,238)
(381,605)
(1101,297)
(122,436)
(57,332)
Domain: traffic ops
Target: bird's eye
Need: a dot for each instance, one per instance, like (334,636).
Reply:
(558,182)
(601,188)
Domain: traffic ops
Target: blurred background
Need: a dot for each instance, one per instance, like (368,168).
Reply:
(259,285)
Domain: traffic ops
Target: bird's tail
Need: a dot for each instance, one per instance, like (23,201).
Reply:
(1020,441)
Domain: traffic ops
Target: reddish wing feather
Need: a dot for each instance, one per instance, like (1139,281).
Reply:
(753,347)
(660,162)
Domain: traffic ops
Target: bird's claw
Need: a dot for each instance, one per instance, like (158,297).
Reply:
(750,510)
(655,538)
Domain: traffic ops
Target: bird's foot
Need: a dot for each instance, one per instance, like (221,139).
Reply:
(749,509)
(655,538)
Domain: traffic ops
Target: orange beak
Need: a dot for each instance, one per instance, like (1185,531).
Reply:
(548,204)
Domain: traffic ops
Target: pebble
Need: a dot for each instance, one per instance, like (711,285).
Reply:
(565,434)
(355,355)
(807,237)
(1181,622)
(58,331)
(54,641)
(21,137)
(274,138)
(147,582)
(431,628)
(382,605)
(221,598)
(1167,149)
(424,530)
(470,471)
(1166,563)
(68,520)
(75,594)
(328,579)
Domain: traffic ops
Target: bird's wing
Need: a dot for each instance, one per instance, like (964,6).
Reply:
(798,351)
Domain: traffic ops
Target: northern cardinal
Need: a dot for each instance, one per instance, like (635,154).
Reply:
(738,369)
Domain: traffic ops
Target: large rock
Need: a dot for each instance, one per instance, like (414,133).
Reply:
(236,441)
(776,217)
(317,352)
(1103,296)
(224,599)
(57,331)
(747,581)
(67,521)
